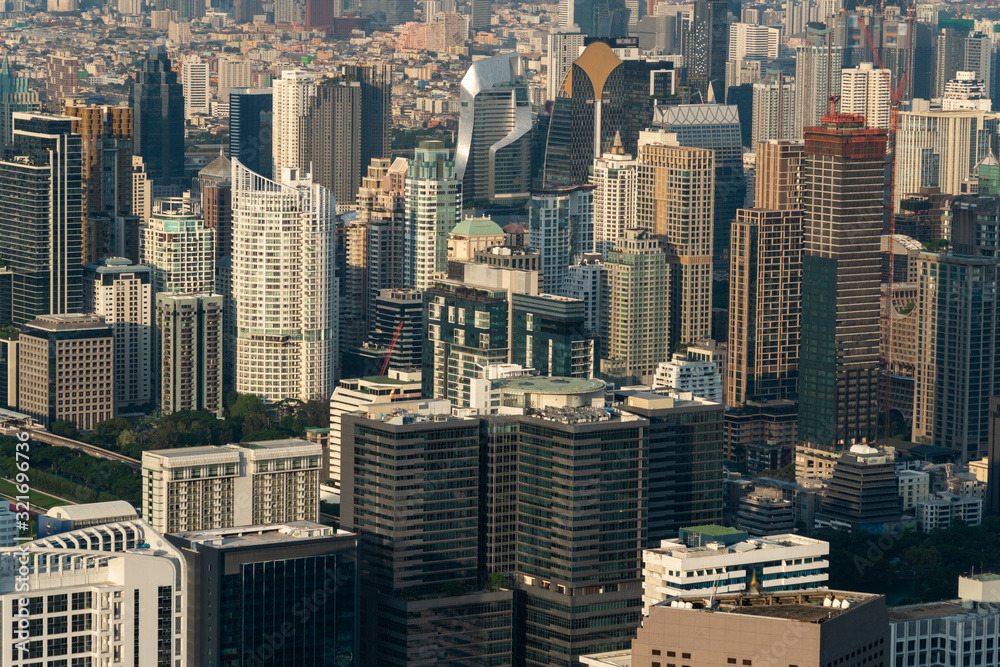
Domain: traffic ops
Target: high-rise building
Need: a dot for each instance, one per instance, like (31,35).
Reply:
(676,194)
(286,307)
(41,211)
(233,74)
(251,129)
(753,42)
(614,180)
(548,334)
(72,575)
(765,293)
(706,49)
(862,492)
(382,209)
(940,149)
(157,101)
(376,112)
(561,226)
(290,11)
(564,47)
(189,348)
(63,79)
(292,93)
(122,293)
(864,90)
(305,566)
(773,109)
(392,308)
(481,15)
(493,150)
(965,91)
(15,95)
(717,127)
(331,132)
(596,18)
(587,280)
(433,208)
(215,182)
(66,370)
(196,86)
(206,488)
(839,358)
(106,143)
(602,96)
(637,322)
(817,76)
(179,248)
(978,57)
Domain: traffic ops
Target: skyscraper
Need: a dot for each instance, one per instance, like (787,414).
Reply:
(561,226)
(493,151)
(106,143)
(15,95)
(773,109)
(63,79)
(331,133)
(717,127)
(433,208)
(178,247)
(864,91)
(376,111)
(382,209)
(481,15)
(564,46)
(596,18)
(250,128)
(817,77)
(292,93)
(41,212)
(765,278)
(614,180)
(189,348)
(839,359)
(157,101)
(284,285)
(233,74)
(122,293)
(676,194)
(706,49)
(638,322)
(196,87)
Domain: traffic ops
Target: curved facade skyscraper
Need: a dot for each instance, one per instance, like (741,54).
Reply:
(493,152)
(284,286)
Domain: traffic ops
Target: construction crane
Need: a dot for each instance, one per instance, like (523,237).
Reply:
(392,346)
(896,97)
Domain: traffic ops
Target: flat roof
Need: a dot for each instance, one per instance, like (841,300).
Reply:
(918,612)
(259,535)
(91,511)
(182,452)
(713,530)
(537,384)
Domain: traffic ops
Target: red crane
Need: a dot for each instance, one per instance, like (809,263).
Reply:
(392,346)
(896,97)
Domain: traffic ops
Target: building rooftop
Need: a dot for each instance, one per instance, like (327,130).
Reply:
(477,227)
(68,322)
(927,610)
(91,511)
(251,536)
(537,384)
(713,530)
(815,606)
(678,549)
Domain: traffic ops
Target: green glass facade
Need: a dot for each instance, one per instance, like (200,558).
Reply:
(549,335)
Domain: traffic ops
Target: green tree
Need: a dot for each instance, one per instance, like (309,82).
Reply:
(247,405)
(64,429)
(256,421)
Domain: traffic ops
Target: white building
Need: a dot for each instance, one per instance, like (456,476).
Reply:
(197,87)
(564,48)
(122,293)
(773,110)
(614,180)
(776,563)
(433,208)
(587,280)
(701,378)
(178,247)
(914,487)
(965,91)
(864,90)
(817,76)
(292,93)
(111,595)
(233,74)
(284,285)
(357,392)
(561,227)
(944,509)
(8,526)
(202,488)
(753,42)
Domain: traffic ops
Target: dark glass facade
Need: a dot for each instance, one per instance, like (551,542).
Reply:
(549,335)
(250,129)
(157,99)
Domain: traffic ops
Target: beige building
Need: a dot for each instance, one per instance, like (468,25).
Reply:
(807,629)
(203,488)
(614,181)
(676,194)
(473,235)
(66,370)
(864,90)
(189,350)
(765,282)
(638,317)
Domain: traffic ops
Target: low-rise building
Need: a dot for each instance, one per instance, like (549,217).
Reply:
(766,511)
(65,518)
(914,486)
(682,373)
(945,509)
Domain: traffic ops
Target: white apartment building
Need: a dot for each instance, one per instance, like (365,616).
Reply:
(94,597)
(8,526)
(965,91)
(753,42)
(587,280)
(914,487)
(864,90)
(943,509)
(352,394)
(292,93)
(122,293)
(614,180)
(433,195)
(178,247)
(284,285)
(561,227)
(778,563)
(773,110)
(197,87)
(233,74)
(203,488)
(564,49)
(701,378)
